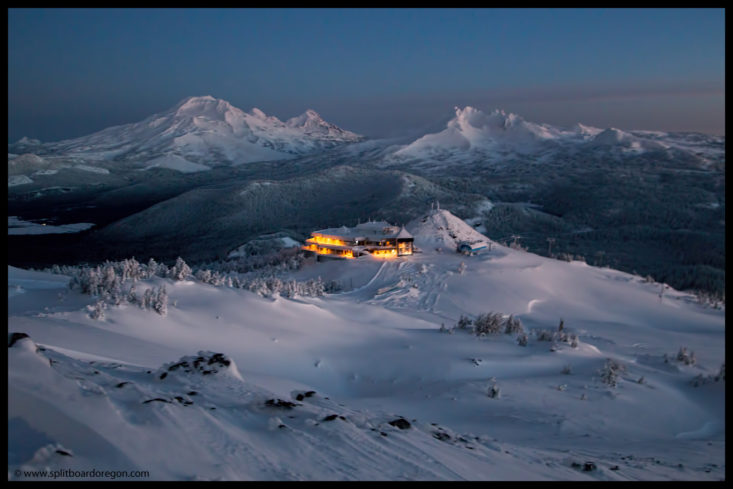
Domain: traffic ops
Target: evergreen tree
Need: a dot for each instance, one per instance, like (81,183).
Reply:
(161,301)
(148,299)
(132,296)
(463,322)
(489,323)
(93,283)
(513,325)
(152,268)
(180,271)
(97,310)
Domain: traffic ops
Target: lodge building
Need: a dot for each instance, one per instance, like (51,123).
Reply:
(376,238)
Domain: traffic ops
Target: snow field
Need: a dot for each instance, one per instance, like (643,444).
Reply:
(372,358)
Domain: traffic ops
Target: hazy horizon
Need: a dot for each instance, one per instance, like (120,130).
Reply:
(377,72)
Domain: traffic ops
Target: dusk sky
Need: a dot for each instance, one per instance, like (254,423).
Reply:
(378,72)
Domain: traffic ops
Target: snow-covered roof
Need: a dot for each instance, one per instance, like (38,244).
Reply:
(403,234)
(370,230)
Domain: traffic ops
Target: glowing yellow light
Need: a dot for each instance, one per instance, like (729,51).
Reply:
(328,251)
(329,241)
(385,253)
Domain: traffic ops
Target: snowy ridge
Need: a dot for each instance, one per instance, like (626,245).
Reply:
(617,138)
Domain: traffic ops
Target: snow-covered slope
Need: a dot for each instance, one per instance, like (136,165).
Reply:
(202,131)
(616,138)
(439,229)
(364,385)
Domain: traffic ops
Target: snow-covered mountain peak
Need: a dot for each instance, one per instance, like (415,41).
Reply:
(259,114)
(496,119)
(612,136)
(202,106)
(200,100)
(498,136)
(313,124)
(586,131)
(25,140)
(201,130)
(473,132)
(311,114)
(309,118)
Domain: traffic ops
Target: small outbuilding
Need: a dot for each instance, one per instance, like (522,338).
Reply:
(468,248)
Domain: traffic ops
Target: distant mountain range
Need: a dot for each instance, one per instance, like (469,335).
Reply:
(204,132)
(197,133)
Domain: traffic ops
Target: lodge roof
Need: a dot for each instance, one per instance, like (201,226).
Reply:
(372,230)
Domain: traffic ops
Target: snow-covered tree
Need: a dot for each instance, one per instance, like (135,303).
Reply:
(151,269)
(488,323)
(97,310)
(203,275)
(132,296)
(180,271)
(688,358)
(513,325)
(610,371)
(131,270)
(161,301)
(148,299)
(93,282)
(463,322)
(108,276)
